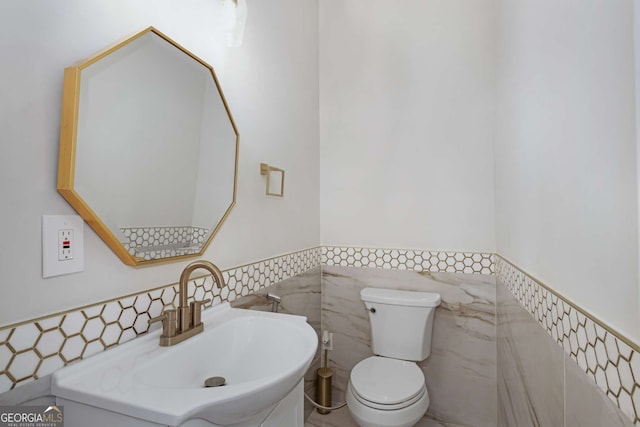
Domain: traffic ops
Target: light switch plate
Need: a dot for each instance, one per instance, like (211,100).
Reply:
(62,245)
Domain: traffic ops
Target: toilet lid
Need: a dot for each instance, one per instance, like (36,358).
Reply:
(387,381)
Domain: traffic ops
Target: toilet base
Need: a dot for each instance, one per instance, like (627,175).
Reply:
(365,416)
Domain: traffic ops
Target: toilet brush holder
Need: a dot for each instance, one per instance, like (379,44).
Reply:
(323,388)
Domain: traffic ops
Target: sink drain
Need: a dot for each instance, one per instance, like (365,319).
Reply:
(214,382)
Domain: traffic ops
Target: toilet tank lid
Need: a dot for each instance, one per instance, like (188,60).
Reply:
(399,297)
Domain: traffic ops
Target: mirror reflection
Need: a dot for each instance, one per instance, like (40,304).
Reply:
(155,149)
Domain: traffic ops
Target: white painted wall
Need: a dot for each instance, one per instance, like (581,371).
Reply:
(407,123)
(566,184)
(270,83)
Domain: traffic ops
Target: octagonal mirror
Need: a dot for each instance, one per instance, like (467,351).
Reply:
(148,149)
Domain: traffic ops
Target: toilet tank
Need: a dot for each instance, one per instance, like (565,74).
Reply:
(401,322)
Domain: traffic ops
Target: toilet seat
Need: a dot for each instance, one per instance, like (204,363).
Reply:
(387,384)
(385,407)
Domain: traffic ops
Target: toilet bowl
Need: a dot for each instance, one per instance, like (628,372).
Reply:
(385,392)
(389,389)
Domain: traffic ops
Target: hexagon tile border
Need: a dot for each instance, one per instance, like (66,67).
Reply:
(33,349)
(610,360)
(409,259)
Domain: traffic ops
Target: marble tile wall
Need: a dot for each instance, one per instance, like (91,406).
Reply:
(585,404)
(541,379)
(530,368)
(461,371)
(300,295)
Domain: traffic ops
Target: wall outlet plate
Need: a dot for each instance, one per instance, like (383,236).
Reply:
(62,245)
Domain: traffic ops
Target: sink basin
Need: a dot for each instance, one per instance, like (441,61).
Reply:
(262,356)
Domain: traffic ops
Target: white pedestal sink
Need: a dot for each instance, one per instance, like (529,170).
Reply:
(263,357)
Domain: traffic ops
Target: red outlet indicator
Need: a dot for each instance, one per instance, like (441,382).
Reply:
(65,240)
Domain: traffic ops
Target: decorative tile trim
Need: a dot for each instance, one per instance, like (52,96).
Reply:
(33,349)
(409,259)
(164,242)
(607,357)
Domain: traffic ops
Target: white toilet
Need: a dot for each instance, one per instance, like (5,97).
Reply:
(388,389)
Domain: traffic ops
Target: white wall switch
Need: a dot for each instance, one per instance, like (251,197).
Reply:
(62,245)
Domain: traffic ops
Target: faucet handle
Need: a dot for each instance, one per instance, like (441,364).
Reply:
(196,311)
(274,297)
(168,319)
(275,300)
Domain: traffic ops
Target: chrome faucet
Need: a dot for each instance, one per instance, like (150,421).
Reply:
(183,323)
